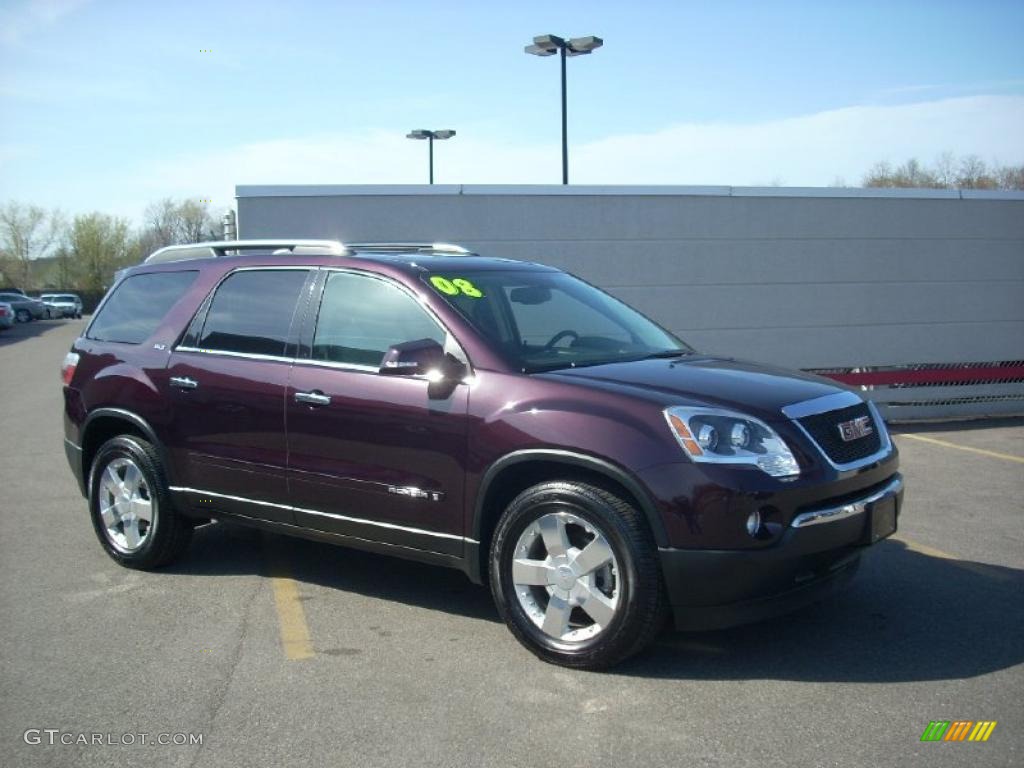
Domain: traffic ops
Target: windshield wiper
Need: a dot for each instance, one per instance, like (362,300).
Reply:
(667,353)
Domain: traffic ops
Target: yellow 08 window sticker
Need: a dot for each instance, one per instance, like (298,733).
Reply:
(456,285)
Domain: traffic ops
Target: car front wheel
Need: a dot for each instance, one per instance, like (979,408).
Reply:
(131,509)
(23,316)
(575,575)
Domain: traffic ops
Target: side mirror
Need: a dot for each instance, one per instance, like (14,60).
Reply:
(423,357)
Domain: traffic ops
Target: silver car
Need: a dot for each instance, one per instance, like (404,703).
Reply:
(25,307)
(6,315)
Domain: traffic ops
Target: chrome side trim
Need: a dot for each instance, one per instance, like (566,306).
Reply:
(346,518)
(824,404)
(71,445)
(831,514)
(244,355)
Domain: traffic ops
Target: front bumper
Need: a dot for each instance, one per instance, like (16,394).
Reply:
(821,548)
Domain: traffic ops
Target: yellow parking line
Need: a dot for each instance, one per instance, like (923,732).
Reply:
(291,617)
(982,451)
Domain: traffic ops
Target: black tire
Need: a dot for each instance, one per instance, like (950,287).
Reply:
(641,610)
(168,534)
(23,316)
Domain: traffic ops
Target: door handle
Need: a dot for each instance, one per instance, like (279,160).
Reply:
(183,382)
(316,397)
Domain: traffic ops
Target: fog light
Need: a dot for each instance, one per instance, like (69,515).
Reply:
(754,523)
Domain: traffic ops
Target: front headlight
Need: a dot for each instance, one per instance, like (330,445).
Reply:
(717,436)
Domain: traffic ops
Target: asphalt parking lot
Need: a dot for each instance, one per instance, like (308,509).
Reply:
(285,652)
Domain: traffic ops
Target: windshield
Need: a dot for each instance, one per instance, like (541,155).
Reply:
(548,320)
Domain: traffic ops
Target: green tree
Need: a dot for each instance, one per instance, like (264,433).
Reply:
(100,245)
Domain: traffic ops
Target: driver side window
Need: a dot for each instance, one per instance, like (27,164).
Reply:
(361,316)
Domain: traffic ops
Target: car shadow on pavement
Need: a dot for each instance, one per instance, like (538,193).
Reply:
(906,616)
(21,331)
(223,549)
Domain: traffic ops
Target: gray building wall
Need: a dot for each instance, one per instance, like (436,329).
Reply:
(807,278)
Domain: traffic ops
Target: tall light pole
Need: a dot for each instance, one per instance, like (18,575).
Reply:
(549,45)
(430,136)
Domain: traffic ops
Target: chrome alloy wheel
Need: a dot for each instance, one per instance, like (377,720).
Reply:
(126,505)
(566,577)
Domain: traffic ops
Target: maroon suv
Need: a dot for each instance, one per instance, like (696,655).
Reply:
(500,417)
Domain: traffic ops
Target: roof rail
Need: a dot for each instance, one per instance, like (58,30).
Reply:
(407,248)
(233,247)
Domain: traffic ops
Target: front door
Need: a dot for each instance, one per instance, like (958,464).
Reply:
(375,457)
(227,388)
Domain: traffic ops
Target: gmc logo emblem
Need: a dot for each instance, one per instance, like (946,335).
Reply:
(855,428)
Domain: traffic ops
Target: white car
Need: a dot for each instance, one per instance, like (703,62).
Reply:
(64,304)
(6,315)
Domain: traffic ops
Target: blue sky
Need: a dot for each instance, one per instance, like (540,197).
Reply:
(110,105)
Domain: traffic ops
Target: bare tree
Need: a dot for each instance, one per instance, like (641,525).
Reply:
(974,174)
(169,222)
(970,172)
(1011,177)
(945,170)
(26,233)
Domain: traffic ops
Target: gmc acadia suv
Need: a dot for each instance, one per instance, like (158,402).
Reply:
(499,417)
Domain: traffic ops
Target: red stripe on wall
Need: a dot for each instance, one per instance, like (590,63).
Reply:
(934,376)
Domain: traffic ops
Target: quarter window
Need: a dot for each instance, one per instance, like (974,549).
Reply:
(137,306)
(360,317)
(252,312)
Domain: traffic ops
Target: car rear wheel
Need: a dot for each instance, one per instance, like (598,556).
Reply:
(23,316)
(575,575)
(131,508)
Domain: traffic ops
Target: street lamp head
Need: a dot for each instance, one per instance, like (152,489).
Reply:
(581,45)
(536,50)
(549,42)
(445,134)
(545,45)
(418,134)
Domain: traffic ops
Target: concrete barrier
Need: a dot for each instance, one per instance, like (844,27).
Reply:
(840,280)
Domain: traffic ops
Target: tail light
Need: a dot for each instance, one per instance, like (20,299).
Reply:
(67,368)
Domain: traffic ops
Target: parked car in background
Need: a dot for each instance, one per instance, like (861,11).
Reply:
(68,304)
(52,310)
(25,308)
(6,315)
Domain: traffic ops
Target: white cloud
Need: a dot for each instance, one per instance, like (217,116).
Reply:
(809,150)
(27,17)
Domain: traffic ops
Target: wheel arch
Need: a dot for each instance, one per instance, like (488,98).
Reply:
(104,423)
(510,475)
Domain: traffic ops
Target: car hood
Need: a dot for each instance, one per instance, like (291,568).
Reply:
(758,390)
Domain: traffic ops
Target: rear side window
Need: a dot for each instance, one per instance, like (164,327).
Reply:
(138,305)
(252,312)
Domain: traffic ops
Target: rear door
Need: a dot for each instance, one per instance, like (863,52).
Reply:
(371,456)
(226,385)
